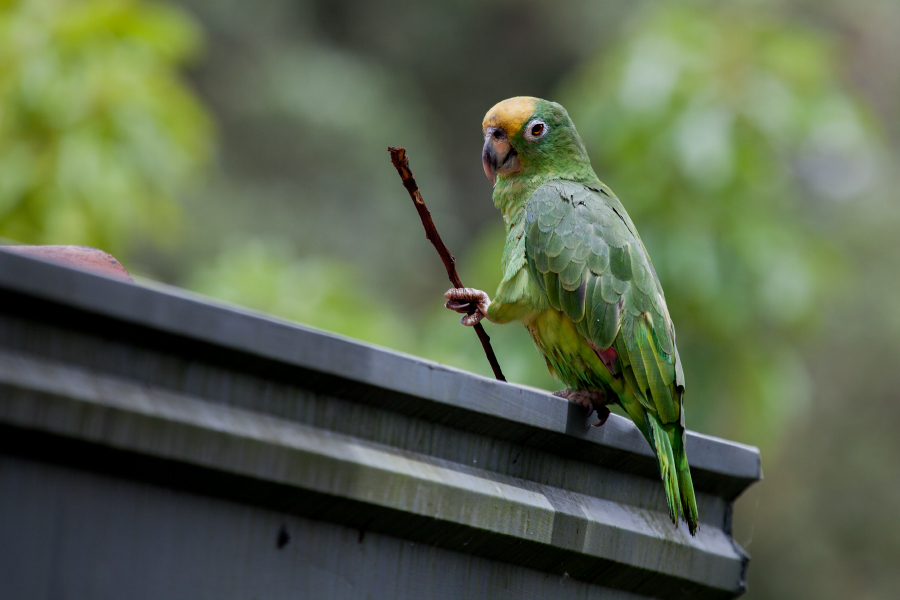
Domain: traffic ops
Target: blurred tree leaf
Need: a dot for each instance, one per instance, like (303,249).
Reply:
(97,132)
(719,129)
(324,293)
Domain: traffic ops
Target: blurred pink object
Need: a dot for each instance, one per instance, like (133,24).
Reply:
(85,258)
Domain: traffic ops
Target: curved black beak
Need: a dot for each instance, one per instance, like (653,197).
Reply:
(489,160)
(498,155)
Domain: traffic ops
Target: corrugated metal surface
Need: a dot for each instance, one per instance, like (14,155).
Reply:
(156,445)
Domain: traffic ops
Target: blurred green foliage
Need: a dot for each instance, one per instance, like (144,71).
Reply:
(316,291)
(98,134)
(723,131)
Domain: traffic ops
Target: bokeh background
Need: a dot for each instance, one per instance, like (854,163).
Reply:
(238,149)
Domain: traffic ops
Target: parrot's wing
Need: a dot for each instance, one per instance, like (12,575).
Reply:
(584,252)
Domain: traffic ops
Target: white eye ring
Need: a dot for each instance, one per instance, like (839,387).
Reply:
(535,130)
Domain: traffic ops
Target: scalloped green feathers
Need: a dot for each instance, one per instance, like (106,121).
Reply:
(584,254)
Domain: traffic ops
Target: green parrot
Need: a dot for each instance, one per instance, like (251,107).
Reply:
(577,275)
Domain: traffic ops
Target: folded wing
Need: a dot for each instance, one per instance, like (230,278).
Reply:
(584,252)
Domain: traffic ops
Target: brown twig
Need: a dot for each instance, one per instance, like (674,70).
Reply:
(401,163)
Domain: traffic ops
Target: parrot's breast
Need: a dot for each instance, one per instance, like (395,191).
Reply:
(568,355)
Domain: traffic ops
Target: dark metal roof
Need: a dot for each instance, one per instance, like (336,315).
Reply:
(102,375)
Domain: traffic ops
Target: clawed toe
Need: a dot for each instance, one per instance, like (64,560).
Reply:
(603,414)
(585,402)
(593,400)
(471,303)
(470,320)
(459,306)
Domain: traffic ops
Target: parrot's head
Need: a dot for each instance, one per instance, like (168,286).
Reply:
(529,136)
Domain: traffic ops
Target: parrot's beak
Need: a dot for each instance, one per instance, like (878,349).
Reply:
(498,156)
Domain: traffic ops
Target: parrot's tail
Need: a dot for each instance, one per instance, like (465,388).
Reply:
(668,445)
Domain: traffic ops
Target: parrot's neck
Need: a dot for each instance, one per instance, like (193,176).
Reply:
(512,192)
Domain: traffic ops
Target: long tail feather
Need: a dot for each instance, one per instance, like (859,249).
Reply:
(666,460)
(667,442)
(685,485)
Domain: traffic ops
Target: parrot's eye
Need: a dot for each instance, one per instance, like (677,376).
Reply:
(535,130)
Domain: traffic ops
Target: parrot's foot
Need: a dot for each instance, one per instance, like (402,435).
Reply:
(471,303)
(593,400)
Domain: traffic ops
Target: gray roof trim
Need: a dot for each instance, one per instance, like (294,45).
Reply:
(720,466)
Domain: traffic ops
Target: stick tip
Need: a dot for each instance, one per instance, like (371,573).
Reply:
(398,156)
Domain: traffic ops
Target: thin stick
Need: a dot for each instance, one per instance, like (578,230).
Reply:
(401,163)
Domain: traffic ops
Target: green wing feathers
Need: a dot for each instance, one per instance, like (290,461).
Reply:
(583,251)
